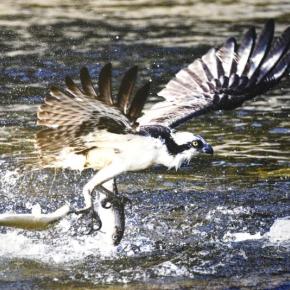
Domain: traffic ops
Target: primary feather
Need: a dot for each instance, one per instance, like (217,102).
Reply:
(223,78)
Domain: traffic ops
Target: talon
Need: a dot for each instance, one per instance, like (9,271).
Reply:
(115,200)
(126,200)
(106,203)
(95,224)
(98,221)
(92,225)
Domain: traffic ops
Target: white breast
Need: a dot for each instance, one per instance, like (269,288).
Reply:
(133,152)
(140,153)
(100,157)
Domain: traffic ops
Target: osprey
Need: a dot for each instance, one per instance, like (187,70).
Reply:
(110,133)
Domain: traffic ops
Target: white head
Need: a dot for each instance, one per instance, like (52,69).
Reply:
(178,147)
(186,146)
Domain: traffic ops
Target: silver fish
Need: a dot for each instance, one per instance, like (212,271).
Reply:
(110,209)
(34,221)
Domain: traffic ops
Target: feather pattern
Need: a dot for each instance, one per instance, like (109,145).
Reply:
(278,49)
(223,78)
(227,56)
(75,116)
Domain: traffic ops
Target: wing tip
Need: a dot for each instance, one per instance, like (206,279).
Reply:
(235,85)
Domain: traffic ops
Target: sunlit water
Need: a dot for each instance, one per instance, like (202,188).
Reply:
(220,222)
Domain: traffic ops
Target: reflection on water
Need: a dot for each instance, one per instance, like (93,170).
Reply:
(206,226)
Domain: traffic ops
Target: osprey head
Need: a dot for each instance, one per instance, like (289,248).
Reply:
(193,144)
(179,147)
(182,146)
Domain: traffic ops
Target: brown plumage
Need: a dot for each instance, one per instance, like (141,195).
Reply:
(126,89)
(86,82)
(74,113)
(105,84)
(60,106)
(138,102)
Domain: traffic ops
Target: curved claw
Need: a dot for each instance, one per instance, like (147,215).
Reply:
(126,200)
(108,202)
(95,217)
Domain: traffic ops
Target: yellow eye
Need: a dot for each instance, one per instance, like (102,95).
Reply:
(195,144)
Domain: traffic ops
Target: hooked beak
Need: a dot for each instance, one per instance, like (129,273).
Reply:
(207,149)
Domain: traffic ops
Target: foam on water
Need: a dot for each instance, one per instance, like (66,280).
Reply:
(8,178)
(49,249)
(66,241)
(279,233)
(240,237)
(170,269)
(232,212)
(61,243)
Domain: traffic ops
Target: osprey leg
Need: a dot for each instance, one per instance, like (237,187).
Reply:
(100,178)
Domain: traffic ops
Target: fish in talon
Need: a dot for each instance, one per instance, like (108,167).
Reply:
(89,213)
(106,210)
(112,217)
(95,223)
(111,211)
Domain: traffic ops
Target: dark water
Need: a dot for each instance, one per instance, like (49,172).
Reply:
(219,223)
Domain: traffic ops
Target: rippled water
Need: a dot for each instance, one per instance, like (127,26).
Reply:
(217,223)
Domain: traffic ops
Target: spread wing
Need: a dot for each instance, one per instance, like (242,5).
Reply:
(78,117)
(223,78)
